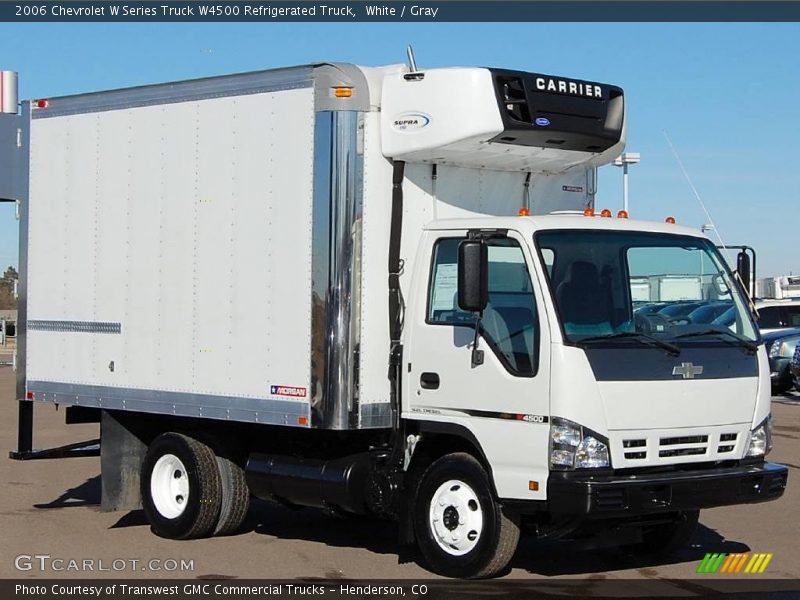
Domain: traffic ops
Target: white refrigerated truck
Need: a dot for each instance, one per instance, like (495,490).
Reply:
(378,291)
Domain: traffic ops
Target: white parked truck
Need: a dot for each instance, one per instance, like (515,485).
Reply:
(377,291)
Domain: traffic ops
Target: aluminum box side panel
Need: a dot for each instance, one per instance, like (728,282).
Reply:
(189,225)
(374,409)
(191,90)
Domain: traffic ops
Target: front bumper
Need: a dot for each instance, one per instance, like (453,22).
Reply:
(596,495)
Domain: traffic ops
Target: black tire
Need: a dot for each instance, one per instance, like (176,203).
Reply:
(669,537)
(235,497)
(796,382)
(200,508)
(499,534)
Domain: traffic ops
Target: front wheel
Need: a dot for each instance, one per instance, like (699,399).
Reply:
(460,528)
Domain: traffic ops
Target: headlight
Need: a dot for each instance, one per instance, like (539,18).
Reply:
(573,446)
(591,454)
(760,442)
(777,348)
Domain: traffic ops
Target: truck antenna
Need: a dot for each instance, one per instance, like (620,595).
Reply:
(708,214)
(694,190)
(412,62)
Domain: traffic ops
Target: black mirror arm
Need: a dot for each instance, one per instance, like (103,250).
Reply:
(477,355)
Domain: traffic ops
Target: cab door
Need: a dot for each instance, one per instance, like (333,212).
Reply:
(502,403)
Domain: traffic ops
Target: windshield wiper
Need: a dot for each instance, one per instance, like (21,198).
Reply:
(634,335)
(752,346)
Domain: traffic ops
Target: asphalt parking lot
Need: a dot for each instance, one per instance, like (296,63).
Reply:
(51,507)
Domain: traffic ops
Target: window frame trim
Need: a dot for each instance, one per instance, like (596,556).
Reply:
(471,326)
(537,249)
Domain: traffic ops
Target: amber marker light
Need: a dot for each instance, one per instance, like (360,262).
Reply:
(588,211)
(670,220)
(605,213)
(623,214)
(343,92)
(524,212)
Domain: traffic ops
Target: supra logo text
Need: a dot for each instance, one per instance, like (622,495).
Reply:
(409,122)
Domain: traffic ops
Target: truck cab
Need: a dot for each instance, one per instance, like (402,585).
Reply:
(587,410)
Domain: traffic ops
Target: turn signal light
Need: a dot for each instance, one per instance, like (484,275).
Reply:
(605,213)
(524,212)
(670,220)
(588,211)
(623,214)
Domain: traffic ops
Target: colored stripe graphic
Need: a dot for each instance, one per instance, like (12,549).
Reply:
(701,568)
(764,564)
(740,564)
(728,562)
(714,562)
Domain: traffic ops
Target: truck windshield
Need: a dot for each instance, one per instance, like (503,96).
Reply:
(618,284)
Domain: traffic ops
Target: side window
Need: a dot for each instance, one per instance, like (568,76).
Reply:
(769,317)
(549,258)
(509,323)
(443,290)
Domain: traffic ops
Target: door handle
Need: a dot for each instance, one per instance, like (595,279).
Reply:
(429,381)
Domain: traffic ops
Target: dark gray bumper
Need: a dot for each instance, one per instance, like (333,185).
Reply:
(585,494)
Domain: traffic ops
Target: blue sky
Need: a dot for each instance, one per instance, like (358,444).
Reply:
(727,95)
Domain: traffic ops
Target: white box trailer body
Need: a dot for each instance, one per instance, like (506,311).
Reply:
(216,244)
(320,284)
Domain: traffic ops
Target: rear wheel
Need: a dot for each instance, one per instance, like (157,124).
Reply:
(180,486)
(460,528)
(235,497)
(670,537)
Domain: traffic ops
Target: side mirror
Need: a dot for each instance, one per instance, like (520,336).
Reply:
(743,269)
(473,276)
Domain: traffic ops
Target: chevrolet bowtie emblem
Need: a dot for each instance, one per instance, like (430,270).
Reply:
(688,370)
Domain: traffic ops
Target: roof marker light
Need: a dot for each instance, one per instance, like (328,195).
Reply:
(524,212)
(41,104)
(623,214)
(670,220)
(588,211)
(605,213)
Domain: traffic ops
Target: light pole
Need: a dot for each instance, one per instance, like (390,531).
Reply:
(623,160)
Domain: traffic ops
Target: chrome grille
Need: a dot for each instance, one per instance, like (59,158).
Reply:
(684,445)
(727,437)
(632,451)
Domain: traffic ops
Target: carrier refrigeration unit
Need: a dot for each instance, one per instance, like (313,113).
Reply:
(377,291)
